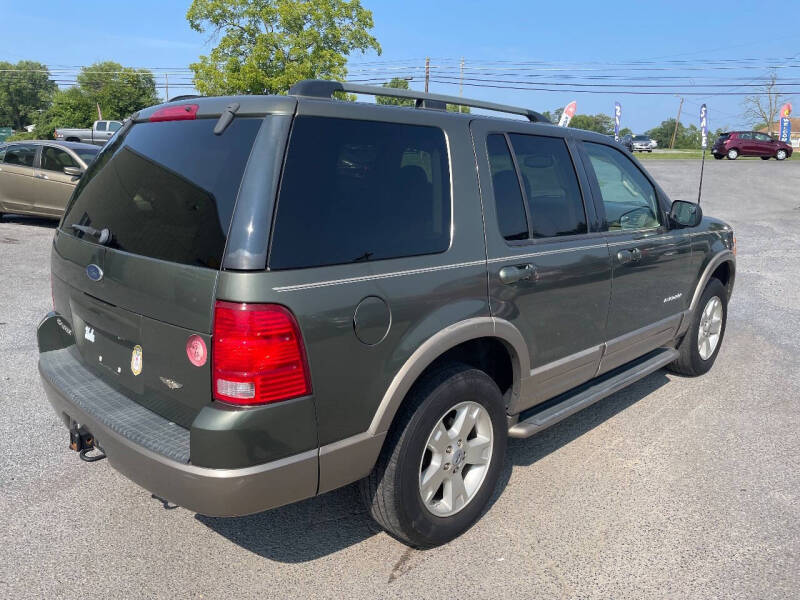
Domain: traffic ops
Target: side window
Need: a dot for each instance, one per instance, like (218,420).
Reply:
(356,191)
(55,159)
(507,194)
(101,126)
(114,125)
(551,186)
(762,137)
(628,197)
(20,154)
(745,136)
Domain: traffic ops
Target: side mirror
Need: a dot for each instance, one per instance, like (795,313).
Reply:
(73,171)
(685,214)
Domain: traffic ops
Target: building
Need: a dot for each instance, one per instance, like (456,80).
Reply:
(795,135)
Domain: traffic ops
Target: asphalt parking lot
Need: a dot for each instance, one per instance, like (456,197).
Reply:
(674,487)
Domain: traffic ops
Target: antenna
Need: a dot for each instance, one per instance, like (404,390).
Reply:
(704,145)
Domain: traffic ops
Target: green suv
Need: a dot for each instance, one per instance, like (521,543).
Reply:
(260,299)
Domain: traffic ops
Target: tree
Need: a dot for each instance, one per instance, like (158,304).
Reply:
(267,45)
(600,123)
(625,131)
(70,108)
(399,84)
(119,91)
(458,108)
(764,107)
(25,89)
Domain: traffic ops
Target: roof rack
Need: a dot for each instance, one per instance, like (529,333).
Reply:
(322,88)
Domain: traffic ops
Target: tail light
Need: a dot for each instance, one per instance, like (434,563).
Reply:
(257,354)
(181,112)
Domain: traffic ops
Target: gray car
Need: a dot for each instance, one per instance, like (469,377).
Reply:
(260,299)
(38,177)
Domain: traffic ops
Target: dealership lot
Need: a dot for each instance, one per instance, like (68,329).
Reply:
(671,488)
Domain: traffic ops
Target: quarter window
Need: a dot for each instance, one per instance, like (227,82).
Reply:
(21,155)
(628,197)
(507,194)
(357,191)
(551,186)
(54,159)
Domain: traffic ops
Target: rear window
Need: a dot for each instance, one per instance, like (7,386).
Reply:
(357,191)
(20,154)
(166,190)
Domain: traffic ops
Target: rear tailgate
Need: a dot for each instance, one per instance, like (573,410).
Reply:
(166,192)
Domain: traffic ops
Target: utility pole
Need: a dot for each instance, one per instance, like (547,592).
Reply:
(678,120)
(427,72)
(461,81)
(166,78)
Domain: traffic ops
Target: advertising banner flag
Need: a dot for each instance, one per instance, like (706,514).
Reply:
(786,129)
(786,110)
(617,117)
(703,127)
(569,112)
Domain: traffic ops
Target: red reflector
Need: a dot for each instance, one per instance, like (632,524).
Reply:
(182,112)
(257,354)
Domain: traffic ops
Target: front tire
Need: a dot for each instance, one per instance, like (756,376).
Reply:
(780,155)
(700,346)
(442,458)
(733,154)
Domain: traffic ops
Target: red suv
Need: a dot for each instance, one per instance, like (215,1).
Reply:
(750,143)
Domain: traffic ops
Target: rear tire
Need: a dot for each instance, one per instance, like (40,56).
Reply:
(700,346)
(433,440)
(718,156)
(733,154)
(780,155)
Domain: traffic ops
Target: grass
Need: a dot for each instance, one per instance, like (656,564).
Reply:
(672,155)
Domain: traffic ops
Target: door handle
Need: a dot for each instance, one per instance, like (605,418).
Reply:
(509,275)
(626,256)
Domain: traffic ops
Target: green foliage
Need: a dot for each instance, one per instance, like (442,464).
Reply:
(120,91)
(70,108)
(22,136)
(399,84)
(458,108)
(600,123)
(25,89)
(685,138)
(265,46)
(625,131)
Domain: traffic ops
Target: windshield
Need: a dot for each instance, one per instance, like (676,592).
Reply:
(641,138)
(165,190)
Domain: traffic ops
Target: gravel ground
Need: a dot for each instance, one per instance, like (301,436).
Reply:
(673,487)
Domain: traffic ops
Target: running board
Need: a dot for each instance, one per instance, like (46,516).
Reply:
(586,396)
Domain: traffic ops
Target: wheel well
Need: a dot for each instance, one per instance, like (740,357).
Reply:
(725,275)
(72,139)
(490,355)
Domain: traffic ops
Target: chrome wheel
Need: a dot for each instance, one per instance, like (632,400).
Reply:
(733,154)
(710,328)
(781,155)
(456,459)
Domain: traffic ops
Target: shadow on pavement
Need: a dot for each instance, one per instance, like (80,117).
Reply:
(29,221)
(323,525)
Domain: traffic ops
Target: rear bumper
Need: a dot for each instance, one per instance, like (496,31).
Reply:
(213,492)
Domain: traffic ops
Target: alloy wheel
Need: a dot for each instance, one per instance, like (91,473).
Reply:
(710,328)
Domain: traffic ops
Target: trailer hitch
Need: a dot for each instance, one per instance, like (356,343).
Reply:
(83,442)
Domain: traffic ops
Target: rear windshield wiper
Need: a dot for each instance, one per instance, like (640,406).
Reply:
(103,235)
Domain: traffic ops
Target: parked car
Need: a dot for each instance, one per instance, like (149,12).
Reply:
(37,178)
(627,141)
(99,134)
(642,143)
(420,286)
(750,143)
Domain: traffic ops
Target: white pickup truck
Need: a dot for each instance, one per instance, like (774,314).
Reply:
(99,134)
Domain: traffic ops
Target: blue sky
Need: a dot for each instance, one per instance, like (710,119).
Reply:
(156,34)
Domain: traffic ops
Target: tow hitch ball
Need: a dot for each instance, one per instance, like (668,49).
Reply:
(82,442)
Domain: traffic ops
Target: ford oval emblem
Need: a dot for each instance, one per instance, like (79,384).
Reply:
(94,272)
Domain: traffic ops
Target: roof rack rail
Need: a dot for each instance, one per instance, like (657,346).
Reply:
(322,88)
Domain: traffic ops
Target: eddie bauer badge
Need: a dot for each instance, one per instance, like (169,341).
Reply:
(136,360)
